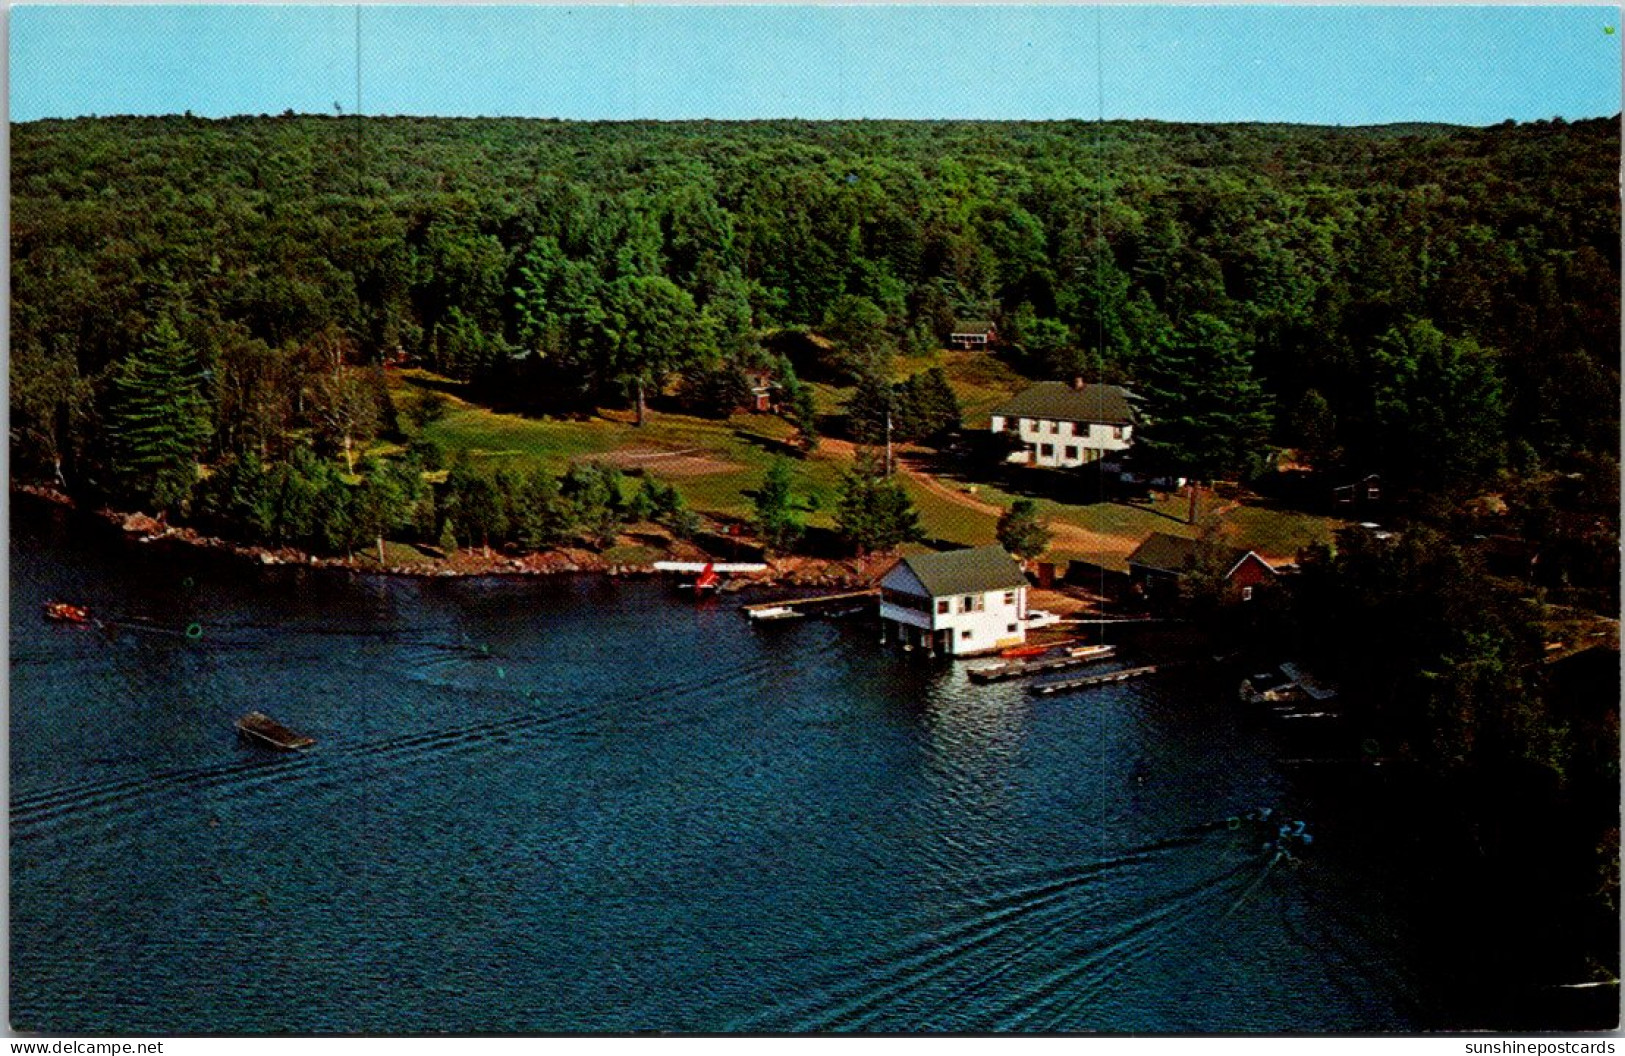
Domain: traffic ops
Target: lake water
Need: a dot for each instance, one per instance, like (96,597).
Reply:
(576,805)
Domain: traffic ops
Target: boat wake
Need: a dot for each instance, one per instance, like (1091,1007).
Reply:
(1025,956)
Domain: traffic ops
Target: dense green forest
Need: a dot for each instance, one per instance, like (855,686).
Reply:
(1436,303)
(1439,305)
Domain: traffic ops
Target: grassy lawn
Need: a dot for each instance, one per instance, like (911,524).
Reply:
(745,443)
(949,521)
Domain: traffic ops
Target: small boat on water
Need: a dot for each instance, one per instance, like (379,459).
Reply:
(62,612)
(260,727)
(1024,651)
(1092,652)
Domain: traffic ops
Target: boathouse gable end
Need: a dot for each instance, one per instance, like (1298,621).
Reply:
(959,602)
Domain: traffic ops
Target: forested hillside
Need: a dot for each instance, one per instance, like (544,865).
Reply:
(1437,303)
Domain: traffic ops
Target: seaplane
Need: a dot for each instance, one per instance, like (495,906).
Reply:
(707,575)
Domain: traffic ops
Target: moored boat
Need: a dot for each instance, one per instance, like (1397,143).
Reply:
(261,728)
(62,612)
(773,612)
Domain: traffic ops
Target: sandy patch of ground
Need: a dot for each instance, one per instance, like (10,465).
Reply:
(688,462)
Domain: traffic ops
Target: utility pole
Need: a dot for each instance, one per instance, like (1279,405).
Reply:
(888,444)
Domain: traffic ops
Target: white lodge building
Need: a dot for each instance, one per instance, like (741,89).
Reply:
(957,602)
(1067,425)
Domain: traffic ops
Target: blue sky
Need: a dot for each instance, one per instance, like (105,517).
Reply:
(1321,65)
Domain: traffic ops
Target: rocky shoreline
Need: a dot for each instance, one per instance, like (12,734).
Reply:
(796,572)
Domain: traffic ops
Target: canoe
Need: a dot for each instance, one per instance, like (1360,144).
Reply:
(261,728)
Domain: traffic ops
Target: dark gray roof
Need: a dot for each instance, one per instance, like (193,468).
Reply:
(1178,555)
(974,571)
(1060,401)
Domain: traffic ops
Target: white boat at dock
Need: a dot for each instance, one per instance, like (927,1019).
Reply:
(774,612)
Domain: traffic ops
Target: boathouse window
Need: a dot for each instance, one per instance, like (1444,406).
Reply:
(1055,427)
(1080,428)
(1011,628)
(1046,450)
(943,606)
(964,634)
(1071,452)
(972,603)
(1010,599)
(1117,432)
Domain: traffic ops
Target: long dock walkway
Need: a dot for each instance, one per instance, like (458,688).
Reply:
(869,592)
(1023,668)
(1066,685)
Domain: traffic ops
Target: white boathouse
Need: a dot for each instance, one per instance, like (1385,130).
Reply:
(959,602)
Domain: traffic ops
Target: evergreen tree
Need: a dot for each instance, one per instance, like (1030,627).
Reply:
(871,404)
(799,409)
(873,512)
(157,421)
(597,505)
(1205,414)
(926,406)
(776,523)
(1021,532)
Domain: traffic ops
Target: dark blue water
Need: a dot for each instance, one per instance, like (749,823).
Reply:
(571,805)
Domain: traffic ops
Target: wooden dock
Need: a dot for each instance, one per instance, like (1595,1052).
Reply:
(1067,685)
(870,592)
(1023,668)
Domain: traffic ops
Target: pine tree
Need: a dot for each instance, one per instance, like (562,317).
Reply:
(1021,532)
(873,512)
(777,525)
(158,421)
(1206,415)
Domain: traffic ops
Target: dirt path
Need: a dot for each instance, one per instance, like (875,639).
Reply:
(1064,536)
(1071,538)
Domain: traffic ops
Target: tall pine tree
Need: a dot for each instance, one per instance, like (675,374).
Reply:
(1205,415)
(158,421)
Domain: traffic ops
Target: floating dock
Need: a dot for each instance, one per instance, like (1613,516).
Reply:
(1067,685)
(1022,668)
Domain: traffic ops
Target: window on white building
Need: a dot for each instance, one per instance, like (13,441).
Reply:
(964,634)
(1009,597)
(1054,427)
(1071,452)
(1011,628)
(1117,432)
(1046,450)
(943,607)
(972,603)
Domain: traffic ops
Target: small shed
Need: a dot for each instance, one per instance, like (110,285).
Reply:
(764,391)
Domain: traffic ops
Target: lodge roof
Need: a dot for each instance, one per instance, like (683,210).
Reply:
(973,326)
(974,571)
(1177,555)
(1062,402)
